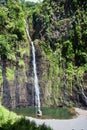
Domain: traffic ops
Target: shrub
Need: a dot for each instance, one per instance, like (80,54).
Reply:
(23,124)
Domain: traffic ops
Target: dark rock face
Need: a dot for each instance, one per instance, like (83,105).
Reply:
(6,101)
(6,98)
(18,92)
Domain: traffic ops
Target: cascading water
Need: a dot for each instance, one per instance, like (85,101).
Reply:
(37,96)
(36,85)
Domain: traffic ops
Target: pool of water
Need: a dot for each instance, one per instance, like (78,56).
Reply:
(48,113)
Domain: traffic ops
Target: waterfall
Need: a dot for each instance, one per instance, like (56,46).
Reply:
(36,85)
(35,78)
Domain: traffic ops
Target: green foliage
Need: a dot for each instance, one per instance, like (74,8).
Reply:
(85,67)
(61,28)
(5,115)
(12,23)
(3,17)
(55,17)
(31,5)
(17,19)
(78,37)
(24,124)
(20,29)
(5,47)
(67,50)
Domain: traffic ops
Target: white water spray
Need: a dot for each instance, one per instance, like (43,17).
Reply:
(36,85)
(35,78)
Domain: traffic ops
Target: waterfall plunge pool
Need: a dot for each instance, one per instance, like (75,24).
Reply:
(48,113)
